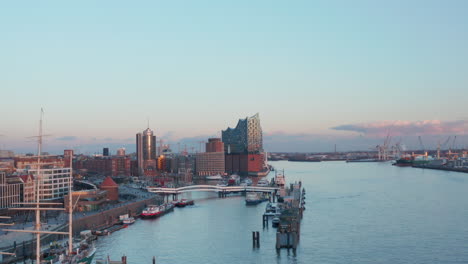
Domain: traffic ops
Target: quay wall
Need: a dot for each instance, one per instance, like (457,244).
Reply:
(25,249)
(111,216)
(439,167)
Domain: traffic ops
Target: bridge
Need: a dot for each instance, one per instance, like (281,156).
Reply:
(221,190)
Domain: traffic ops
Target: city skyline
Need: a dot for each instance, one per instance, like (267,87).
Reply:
(319,73)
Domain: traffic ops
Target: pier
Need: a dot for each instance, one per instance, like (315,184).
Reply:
(289,226)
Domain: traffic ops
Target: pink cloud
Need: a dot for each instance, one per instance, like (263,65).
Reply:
(406,128)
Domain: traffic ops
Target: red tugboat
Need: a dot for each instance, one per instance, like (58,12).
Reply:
(184,202)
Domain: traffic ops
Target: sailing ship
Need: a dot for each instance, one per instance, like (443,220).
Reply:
(68,252)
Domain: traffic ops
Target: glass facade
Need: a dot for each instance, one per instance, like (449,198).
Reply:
(246,137)
(146,148)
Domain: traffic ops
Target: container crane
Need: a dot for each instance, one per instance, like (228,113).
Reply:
(421,144)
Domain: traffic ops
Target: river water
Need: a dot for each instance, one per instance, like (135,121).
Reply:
(356,213)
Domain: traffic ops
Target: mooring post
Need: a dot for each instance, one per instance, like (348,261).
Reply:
(253,238)
(154,260)
(265,221)
(258,239)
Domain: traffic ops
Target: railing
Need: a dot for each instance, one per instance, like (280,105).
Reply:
(211,188)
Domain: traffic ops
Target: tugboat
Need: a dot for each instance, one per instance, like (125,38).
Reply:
(184,202)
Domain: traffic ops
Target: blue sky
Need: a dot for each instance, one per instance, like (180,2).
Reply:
(100,69)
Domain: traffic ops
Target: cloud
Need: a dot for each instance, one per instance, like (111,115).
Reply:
(67,138)
(408,128)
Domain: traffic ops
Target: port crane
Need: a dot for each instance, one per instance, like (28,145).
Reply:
(421,145)
(441,146)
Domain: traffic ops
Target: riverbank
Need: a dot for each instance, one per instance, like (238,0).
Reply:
(24,243)
(440,167)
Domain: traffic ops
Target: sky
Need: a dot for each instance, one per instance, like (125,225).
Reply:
(319,73)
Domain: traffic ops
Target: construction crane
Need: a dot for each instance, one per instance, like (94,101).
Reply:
(421,144)
(201,145)
(453,142)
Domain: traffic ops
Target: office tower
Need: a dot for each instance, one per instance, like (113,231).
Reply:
(146,150)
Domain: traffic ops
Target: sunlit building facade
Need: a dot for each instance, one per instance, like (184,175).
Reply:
(54,182)
(243,147)
(246,137)
(146,150)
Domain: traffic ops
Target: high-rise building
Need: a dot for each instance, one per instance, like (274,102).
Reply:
(214,145)
(105,152)
(243,147)
(146,150)
(246,137)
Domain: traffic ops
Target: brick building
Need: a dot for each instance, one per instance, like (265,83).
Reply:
(210,163)
(245,164)
(108,166)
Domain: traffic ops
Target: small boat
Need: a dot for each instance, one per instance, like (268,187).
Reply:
(271,209)
(234,180)
(246,182)
(275,222)
(263,183)
(184,202)
(128,221)
(253,198)
(279,179)
(214,177)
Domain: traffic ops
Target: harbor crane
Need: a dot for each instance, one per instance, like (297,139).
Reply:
(421,144)
(453,142)
(441,146)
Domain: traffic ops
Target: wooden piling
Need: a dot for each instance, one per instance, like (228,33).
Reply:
(265,221)
(255,239)
(154,260)
(258,239)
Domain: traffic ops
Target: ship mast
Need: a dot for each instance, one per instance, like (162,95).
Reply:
(35,206)
(38,182)
(70,207)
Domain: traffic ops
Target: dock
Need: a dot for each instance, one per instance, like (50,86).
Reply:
(289,227)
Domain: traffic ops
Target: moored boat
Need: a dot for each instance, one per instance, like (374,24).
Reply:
(234,180)
(153,211)
(214,177)
(184,202)
(263,183)
(253,198)
(279,179)
(128,221)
